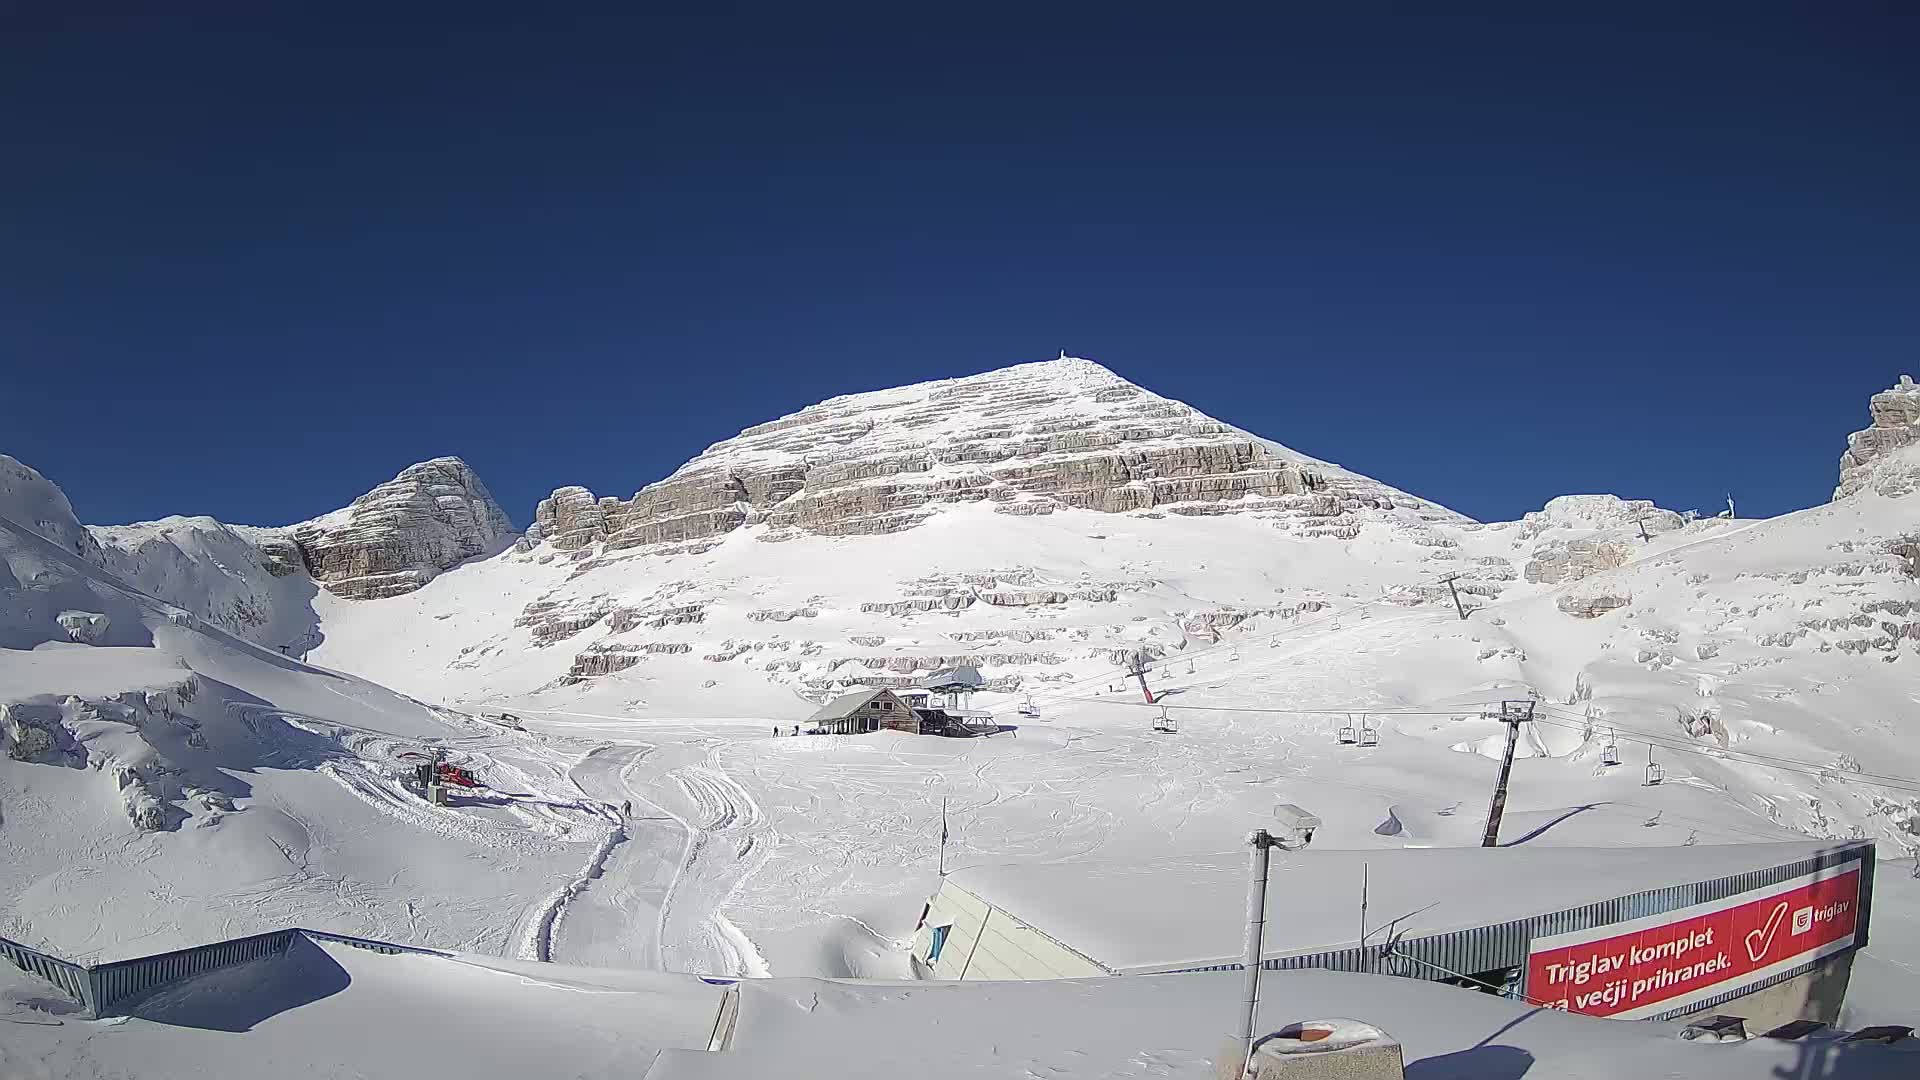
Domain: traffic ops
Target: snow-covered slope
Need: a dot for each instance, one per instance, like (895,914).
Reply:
(251,583)
(1022,521)
(164,782)
(1045,523)
(1765,665)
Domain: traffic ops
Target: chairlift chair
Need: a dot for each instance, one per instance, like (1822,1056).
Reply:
(1610,753)
(1164,723)
(1369,735)
(1029,708)
(1655,773)
(1348,736)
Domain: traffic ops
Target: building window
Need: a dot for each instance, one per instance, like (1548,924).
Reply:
(939,942)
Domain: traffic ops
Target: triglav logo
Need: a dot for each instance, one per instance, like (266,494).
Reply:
(1802,921)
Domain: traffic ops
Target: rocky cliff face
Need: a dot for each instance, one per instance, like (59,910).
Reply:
(1886,456)
(1028,439)
(397,537)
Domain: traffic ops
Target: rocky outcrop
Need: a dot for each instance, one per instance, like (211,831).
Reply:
(1886,456)
(280,555)
(1593,606)
(1028,439)
(1575,559)
(1596,512)
(569,519)
(397,537)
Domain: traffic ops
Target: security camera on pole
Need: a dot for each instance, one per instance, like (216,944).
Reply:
(1293,830)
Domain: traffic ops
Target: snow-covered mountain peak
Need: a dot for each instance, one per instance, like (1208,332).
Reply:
(395,538)
(1885,457)
(1025,440)
(32,501)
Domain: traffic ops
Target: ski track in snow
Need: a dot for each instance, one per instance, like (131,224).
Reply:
(729,841)
(361,761)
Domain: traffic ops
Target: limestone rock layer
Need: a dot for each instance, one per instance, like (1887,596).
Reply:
(1027,439)
(397,537)
(1885,457)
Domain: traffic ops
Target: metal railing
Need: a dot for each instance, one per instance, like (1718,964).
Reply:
(1443,956)
(69,978)
(122,979)
(100,988)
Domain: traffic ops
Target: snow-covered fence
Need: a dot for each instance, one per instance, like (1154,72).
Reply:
(385,947)
(123,979)
(100,987)
(69,978)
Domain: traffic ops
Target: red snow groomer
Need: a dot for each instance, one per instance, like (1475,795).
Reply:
(439,772)
(454,775)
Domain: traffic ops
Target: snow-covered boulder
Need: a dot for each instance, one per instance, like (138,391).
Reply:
(1885,457)
(1593,605)
(1600,512)
(85,627)
(28,735)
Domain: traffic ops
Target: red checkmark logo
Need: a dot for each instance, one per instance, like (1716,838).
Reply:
(1759,941)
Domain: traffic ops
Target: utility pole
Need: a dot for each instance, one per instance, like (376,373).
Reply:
(1262,842)
(1513,715)
(1457,606)
(1296,831)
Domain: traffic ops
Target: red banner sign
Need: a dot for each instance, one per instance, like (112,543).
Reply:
(1667,961)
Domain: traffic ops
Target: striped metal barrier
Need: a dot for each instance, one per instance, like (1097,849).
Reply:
(101,989)
(116,982)
(69,978)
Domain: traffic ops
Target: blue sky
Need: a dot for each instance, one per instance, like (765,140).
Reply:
(254,261)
